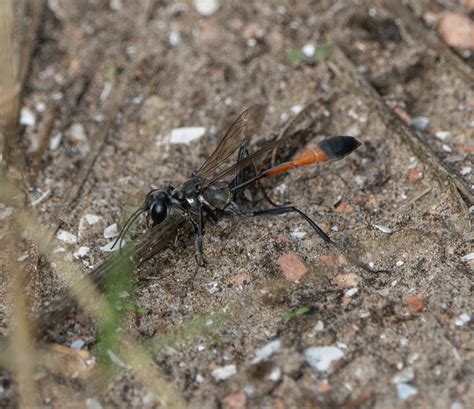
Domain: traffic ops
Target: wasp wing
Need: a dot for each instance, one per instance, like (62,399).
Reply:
(239,133)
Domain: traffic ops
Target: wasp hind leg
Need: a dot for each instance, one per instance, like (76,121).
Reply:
(232,208)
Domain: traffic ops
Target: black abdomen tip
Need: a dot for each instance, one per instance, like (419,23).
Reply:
(337,147)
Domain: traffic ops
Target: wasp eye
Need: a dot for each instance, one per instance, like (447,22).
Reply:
(158,211)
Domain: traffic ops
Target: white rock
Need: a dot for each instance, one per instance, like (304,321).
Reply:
(400,263)
(66,237)
(297,234)
(466,170)
(296,109)
(383,229)
(92,403)
(404,376)
(113,246)
(308,50)
(23,257)
(442,135)
(7,212)
(27,117)
(224,372)
(55,141)
(111,231)
(463,319)
(351,292)
(81,252)
(206,7)
(266,351)
(319,326)
(321,358)
(115,5)
(78,133)
(447,148)
(468,257)
(186,135)
(77,344)
(174,38)
(274,375)
(420,122)
(405,391)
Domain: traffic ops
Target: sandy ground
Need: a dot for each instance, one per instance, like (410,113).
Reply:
(400,338)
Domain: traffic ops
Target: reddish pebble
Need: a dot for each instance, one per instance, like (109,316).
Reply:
(349,280)
(404,116)
(457,30)
(415,303)
(324,388)
(469,4)
(346,300)
(237,400)
(343,208)
(415,175)
(292,266)
(328,260)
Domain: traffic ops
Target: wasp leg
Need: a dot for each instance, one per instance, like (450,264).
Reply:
(239,179)
(291,209)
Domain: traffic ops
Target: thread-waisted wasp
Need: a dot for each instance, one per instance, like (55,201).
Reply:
(213,191)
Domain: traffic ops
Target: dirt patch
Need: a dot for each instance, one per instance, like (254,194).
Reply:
(120,80)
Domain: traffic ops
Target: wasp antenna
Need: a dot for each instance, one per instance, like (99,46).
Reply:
(127,226)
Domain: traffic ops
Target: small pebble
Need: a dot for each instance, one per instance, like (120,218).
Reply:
(66,237)
(319,326)
(349,280)
(266,351)
(92,403)
(27,117)
(466,170)
(415,175)
(206,7)
(447,148)
(308,50)
(442,135)
(81,252)
(292,266)
(6,212)
(111,231)
(383,229)
(296,109)
(274,375)
(78,133)
(405,391)
(297,234)
(462,320)
(186,135)
(23,257)
(404,376)
(415,303)
(224,372)
(55,141)
(400,263)
(236,400)
(420,122)
(115,5)
(457,30)
(77,344)
(467,257)
(321,358)
(174,38)
(351,292)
